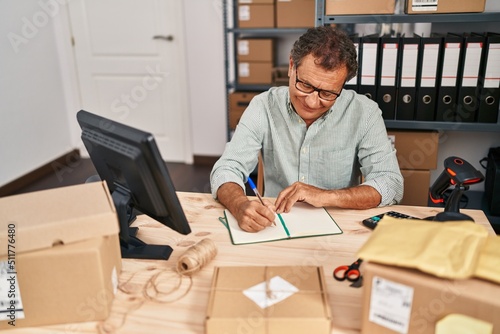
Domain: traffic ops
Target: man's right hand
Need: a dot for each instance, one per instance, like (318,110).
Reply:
(252,216)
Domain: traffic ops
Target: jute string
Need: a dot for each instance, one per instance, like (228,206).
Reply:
(166,285)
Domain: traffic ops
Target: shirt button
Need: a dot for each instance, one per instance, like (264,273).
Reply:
(304,150)
(302,178)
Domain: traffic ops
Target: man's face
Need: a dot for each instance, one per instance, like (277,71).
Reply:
(310,106)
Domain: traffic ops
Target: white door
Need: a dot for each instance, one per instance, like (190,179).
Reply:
(131,68)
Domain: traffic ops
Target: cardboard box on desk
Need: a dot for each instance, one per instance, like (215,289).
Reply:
(444,6)
(61,255)
(394,298)
(302,310)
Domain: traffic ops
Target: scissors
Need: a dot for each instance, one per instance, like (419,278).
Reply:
(351,273)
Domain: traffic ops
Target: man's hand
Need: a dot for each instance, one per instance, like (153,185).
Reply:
(252,216)
(358,197)
(299,192)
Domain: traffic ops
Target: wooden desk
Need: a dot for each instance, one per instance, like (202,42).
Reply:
(133,314)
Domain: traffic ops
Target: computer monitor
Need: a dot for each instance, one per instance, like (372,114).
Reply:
(137,177)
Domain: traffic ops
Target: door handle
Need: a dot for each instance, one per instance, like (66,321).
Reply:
(168,38)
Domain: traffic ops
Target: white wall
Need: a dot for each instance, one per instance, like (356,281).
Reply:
(38,94)
(205,58)
(33,113)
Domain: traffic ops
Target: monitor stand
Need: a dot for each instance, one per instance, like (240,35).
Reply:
(131,246)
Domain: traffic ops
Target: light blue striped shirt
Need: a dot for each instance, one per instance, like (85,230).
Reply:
(348,141)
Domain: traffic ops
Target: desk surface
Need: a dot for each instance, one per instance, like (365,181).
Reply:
(132,313)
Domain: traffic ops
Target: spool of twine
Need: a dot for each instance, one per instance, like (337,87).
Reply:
(196,257)
(189,263)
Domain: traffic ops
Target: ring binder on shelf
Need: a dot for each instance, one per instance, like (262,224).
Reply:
(430,48)
(489,80)
(386,81)
(448,78)
(369,53)
(467,101)
(354,82)
(408,50)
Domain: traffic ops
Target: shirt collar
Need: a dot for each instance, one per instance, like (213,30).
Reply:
(291,109)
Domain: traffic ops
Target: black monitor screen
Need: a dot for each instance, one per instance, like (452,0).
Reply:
(129,161)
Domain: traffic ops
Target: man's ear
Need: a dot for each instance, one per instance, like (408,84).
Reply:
(290,67)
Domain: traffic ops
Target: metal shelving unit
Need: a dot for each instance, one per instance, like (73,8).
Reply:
(255,32)
(233,32)
(323,19)
(404,18)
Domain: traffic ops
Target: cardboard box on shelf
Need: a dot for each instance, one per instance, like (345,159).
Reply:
(238,102)
(280,76)
(268,300)
(444,6)
(61,252)
(295,13)
(416,188)
(349,7)
(399,300)
(252,49)
(269,2)
(256,16)
(260,73)
(415,149)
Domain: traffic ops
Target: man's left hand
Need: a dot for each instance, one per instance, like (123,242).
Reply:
(299,192)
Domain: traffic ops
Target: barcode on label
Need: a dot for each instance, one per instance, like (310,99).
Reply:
(424,5)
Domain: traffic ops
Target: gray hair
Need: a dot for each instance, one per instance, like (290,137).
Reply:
(331,47)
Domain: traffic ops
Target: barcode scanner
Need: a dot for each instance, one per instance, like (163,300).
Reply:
(461,174)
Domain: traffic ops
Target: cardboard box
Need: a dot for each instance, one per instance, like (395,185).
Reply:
(346,7)
(416,188)
(394,298)
(269,2)
(255,50)
(295,13)
(444,6)
(415,149)
(238,102)
(280,76)
(302,310)
(255,73)
(66,257)
(256,16)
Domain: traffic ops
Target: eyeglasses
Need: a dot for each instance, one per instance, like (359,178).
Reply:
(304,87)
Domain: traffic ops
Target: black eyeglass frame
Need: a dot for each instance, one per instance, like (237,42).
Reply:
(316,89)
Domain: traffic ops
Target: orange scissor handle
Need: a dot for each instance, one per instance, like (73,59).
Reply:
(351,273)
